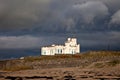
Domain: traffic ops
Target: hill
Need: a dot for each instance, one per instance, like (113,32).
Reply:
(77,60)
(108,61)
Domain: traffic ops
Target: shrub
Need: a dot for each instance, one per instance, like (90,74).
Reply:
(113,62)
(32,59)
(17,68)
(99,65)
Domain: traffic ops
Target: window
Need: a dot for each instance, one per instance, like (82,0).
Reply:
(58,50)
(44,52)
(61,51)
(73,51)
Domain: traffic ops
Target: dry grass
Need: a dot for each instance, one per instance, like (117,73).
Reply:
(113,62)
(100,54)
(17,68)
(82,59)
(90,54)
(62,56)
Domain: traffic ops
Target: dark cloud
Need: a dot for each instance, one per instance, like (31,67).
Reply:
(90,10)
(19,42)
(21,14)
(85,39)
(112,5)
(52,15)
(115,19)
(93,22)
(85,15)
(27,41)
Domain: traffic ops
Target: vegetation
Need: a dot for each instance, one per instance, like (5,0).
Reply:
(99,65)
(17,68)
(91,54)
(62,56)
(108,58)
(113,62)
(100,54)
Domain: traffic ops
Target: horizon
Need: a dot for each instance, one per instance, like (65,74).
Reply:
(11,53)
(31,24)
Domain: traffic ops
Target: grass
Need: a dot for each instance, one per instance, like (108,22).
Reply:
(17,68)
(54,57)
(99,65)
(91,56)
(32,59)
(113,62)
(100,54)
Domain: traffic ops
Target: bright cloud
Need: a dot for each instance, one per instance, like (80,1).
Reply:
(90,10)
(116,18)
(19,41)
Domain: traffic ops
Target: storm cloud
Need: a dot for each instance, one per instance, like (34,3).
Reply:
(58,15)
(26,41)
(116,18)
(21,14)
(93,22)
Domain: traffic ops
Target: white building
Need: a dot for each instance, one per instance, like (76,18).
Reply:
(70,47)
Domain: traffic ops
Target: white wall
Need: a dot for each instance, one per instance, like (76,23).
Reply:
(71,47)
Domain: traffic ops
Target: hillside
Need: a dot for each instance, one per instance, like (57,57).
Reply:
(108,61)
(77,60)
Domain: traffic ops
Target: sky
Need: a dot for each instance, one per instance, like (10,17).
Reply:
(28,24)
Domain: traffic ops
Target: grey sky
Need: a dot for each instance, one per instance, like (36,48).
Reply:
(35,23)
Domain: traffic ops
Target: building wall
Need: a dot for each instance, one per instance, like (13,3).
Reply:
(70,47)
